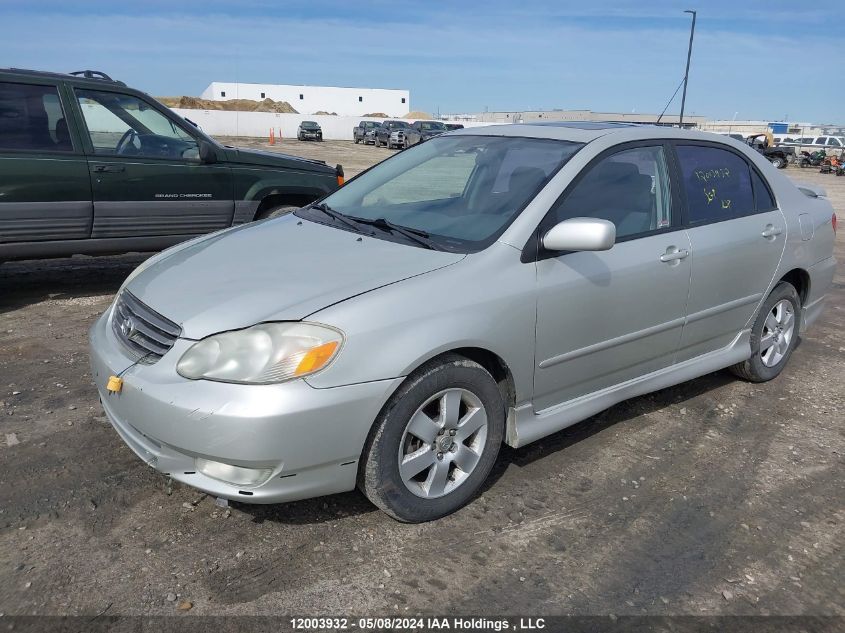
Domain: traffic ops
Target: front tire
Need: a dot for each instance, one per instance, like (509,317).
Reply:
(275,212)
(773,336)
(435,441)
(778,162)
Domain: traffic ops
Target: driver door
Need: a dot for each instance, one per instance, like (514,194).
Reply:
(146,177)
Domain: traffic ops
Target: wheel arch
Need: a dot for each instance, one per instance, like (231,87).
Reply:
(277,198)
(800,279)
(489,360)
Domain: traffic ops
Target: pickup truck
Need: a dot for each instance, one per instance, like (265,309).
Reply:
(778,155)
(391,133)
(422,131)
(91,166)
(361,132)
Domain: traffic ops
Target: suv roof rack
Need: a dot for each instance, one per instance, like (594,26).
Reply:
(91,74)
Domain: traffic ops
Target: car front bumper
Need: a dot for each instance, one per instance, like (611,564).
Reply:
(311,439)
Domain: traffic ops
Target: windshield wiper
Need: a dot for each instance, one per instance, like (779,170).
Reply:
(415,235)
(335,215)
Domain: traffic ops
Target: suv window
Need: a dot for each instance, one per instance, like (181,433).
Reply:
(125,125)
(717,184)
(833,141)
(629,188)
(821,140)
(31,118)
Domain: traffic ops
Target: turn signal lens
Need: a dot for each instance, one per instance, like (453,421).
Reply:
(316,358)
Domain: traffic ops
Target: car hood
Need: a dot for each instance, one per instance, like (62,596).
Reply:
(275,159)
(277,270)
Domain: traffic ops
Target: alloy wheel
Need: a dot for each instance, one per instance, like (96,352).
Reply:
(778,330)
(442,443)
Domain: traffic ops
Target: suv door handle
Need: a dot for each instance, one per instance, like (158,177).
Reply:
(112,169)
(673,254)
(771,231)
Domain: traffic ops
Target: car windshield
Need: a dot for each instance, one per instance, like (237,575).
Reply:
(397,124)
(310,125)
(461,192)
(432,126)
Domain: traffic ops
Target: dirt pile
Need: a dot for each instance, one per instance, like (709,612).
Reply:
(417,114)
(230,105)
(377,115)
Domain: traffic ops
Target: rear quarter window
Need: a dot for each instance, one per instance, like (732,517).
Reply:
(717,184)
(31,118)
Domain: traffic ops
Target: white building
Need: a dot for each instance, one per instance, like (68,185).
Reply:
(312,99)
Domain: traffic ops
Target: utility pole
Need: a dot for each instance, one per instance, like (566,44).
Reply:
(686,74)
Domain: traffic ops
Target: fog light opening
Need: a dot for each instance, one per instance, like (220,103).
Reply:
(234,475)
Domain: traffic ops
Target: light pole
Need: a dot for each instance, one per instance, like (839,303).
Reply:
(686,74)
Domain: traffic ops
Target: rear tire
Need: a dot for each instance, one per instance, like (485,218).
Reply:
(778,162)
(773,336)
(276,212)
(434,442)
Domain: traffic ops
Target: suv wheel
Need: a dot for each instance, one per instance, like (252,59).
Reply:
(435,441)
(773,336)
(275,212)
(778,161)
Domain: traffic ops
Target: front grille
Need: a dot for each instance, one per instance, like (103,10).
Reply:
(141,329)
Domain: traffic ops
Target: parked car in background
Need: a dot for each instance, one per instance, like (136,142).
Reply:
(454,126)
(309,131)
(489,286)
(93,166)
(361,132)
(422,131)
(391,133)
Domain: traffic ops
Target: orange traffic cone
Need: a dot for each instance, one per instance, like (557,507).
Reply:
(272,140)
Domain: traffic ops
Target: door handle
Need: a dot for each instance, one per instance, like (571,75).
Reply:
(673,254)
(771,231)
(112,169)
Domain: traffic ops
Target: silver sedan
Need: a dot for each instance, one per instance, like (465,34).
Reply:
(492,285)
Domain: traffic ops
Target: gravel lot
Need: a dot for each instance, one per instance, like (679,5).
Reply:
(713,497)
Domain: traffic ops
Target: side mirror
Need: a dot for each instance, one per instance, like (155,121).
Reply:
(207,153)
(580,234)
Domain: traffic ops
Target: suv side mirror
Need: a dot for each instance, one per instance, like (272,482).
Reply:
(207,153)
(580,234)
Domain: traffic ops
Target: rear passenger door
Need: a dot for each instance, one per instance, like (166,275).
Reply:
(45,192)
(737,235)
(146,175)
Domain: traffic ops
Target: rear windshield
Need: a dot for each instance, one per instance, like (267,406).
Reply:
(462,190)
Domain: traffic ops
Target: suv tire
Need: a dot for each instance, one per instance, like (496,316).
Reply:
(276,212)
(424,418)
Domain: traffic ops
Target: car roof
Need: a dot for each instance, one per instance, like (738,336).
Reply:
(586,131)
(83,76)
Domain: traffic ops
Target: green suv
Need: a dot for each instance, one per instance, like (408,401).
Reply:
(90,166)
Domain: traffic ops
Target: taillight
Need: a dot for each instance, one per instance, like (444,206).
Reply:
(339,171)
(833,222)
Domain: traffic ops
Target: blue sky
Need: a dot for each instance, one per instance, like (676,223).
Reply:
(756,59)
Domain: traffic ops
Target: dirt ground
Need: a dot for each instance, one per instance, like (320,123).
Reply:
(713,497)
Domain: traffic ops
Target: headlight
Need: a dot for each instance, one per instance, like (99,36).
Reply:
(262,354)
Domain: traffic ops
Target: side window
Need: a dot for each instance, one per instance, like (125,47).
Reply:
(717,184)
(125,125)
(629,188)
(762,194)
(31,118)
(821,140)
(833,141)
